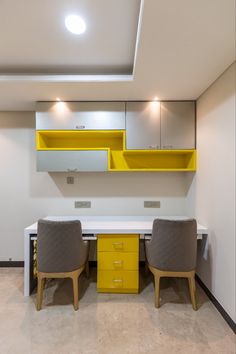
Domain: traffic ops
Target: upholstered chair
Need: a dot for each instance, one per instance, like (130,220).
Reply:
(61,253)
(171,252)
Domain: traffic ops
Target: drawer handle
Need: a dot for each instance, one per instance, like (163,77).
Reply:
(118,283)
(118,244)
(118,264)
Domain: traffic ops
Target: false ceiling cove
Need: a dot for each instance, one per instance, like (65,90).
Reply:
(174,49)
(36,41)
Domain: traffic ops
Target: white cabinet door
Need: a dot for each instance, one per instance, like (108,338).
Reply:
(178,125)
(71,161)
(143,125)
(80,115)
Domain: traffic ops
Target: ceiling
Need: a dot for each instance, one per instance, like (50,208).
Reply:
(34,39)
(181,47)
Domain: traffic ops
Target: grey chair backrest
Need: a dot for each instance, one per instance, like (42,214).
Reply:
(173,246)
(60,247)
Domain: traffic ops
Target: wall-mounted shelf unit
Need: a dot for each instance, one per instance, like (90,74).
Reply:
(85,146)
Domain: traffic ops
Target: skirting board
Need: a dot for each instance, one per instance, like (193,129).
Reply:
(11,264)
(223,313)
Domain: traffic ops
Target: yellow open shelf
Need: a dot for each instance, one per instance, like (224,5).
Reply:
(119,159)
(76,140)
(153,160)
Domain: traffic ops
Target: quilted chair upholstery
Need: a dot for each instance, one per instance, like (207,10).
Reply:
(61,253)
(172,251)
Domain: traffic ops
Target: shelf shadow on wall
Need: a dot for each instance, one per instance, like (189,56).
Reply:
(17,120)
(127,184)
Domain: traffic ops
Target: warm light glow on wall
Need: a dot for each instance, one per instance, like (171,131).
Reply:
(61,109)
(154,106)
(154,112)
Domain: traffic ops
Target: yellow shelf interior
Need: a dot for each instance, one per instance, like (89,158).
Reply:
(119,159)
(161,160)
(76,140)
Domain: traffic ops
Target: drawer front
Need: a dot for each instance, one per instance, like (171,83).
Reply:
(119,243)
(62,161)
(117,261)
(80,116)
(118,281)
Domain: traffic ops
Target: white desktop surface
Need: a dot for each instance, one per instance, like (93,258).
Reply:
(114,224)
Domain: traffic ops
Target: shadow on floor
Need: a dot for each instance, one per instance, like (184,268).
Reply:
(173,290)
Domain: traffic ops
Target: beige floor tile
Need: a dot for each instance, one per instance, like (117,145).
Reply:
(109,323)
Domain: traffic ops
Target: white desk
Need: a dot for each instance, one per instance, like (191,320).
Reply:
(93,225)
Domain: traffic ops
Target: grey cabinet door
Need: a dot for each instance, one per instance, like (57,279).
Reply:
(178,125)
(143,125)
(71,161)
(80,115)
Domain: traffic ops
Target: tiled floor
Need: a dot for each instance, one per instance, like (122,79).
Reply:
(109,323)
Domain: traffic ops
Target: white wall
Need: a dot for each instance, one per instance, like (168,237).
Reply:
(26,195)
(212,193)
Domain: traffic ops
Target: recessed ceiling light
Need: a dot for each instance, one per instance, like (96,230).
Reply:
(75,24)
(58,99)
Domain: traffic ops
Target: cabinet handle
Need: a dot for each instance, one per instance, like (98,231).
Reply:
(72,170)
(80,127)
(117,280)
(154,147)
(167,146)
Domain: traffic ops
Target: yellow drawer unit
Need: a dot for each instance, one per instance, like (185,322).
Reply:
(118,259)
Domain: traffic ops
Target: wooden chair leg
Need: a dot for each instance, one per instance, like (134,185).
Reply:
(192,289)
(157,290)
(157,278)
(41,282)
(75,291)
